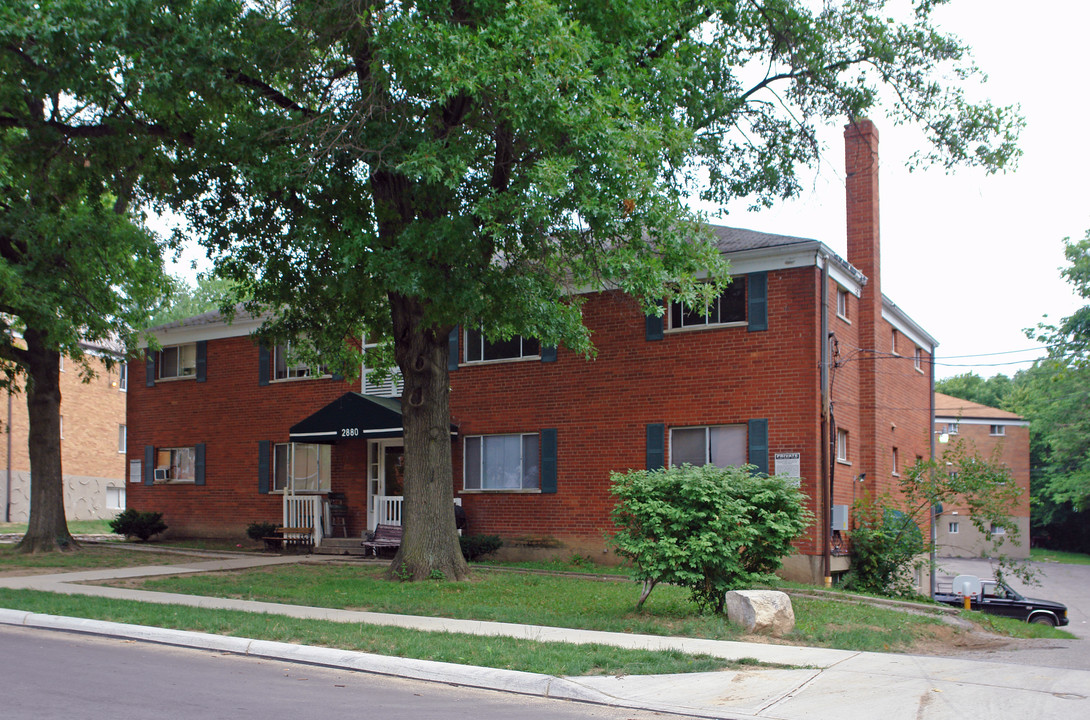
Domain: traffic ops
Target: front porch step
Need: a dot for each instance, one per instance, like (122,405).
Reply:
(341,546)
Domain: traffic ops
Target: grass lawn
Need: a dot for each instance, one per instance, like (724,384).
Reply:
(1058,556)
(76,527)
(554,600)
(497,652)
(88,557)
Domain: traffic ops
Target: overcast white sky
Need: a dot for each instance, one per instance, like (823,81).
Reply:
(973,258)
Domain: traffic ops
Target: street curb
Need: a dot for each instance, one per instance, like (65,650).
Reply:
(512,681)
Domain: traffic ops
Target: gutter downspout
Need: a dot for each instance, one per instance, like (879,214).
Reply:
(934,516)
(7,489)
(826,515)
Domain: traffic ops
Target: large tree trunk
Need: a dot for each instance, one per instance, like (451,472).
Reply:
(48,529)
(429,545)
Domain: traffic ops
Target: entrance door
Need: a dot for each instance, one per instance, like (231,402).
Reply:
(386,481)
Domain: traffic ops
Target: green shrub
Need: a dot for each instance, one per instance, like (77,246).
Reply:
(885,544)
(477,546)
(708,529)
(133,523)
(260,530)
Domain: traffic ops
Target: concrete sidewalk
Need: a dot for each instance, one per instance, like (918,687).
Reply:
(834,684)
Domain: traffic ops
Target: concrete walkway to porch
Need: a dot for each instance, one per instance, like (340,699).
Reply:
(825,684)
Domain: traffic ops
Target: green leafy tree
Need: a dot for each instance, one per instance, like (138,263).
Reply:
(183,300)
(886,538)
(706,528)
(403,169)
(76,263)
(992,392)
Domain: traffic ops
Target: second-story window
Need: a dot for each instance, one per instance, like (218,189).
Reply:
(177,361)
(284,368)
(729,307)
(481,349)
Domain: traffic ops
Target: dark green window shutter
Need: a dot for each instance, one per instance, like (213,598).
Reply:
(263,451)
(149,465)
(338,377)
(757,286)
(149,368)
(198,465)
(202,360)
(263,361)
(653,325)
(452,347)
(656,446)
(548,353)
(758,445)
(548,461)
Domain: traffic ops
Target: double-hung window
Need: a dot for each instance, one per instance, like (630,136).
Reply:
(177,361)
(123,376)
(719,445)
(729,307)
(842,306)
(481,349)
(841,445)
(285,368)
(176,464)
(502,462)
(304,466)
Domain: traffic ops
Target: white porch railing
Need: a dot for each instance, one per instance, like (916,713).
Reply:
(307,511)
(386,509)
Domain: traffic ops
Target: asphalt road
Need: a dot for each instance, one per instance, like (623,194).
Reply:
(1069,584)
(52,675)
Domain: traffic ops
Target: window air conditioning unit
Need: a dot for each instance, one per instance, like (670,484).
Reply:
(162,473)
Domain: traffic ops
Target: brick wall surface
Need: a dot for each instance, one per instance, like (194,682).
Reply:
(91,460)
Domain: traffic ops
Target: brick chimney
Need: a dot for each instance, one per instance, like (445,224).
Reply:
(861,171)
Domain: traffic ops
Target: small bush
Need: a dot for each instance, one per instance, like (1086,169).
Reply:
(885,543)
(477,546)
(133,523)
(260,530)
(709,529)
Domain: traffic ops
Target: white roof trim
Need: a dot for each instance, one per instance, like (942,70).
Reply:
(896,317)
(981,421)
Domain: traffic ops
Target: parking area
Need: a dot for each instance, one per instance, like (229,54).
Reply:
(1069,584)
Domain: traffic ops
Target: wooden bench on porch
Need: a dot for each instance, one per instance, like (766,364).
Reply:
(290,537)
(386,536)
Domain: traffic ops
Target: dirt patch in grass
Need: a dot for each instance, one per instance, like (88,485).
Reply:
(947,639)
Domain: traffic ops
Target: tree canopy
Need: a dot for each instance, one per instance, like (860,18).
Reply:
(76,262)
(399,169)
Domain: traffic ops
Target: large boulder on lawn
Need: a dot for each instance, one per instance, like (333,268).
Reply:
(761,611)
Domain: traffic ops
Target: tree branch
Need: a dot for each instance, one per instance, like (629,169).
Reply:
(269,92)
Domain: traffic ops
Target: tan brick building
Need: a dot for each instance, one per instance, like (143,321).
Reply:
(986,430)
(93,444)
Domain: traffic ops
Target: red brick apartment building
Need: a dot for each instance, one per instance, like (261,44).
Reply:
(93,444)
(987,431)
(223,427)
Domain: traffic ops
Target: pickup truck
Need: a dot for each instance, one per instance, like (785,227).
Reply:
(997,598)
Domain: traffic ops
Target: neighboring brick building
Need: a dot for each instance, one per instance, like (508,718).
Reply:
(538,430)
(93,435)
(989,432)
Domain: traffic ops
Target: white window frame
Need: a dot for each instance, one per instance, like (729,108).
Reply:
(842,446)
(896,461)
(528,348)
(954,528)
(529,464)
(175,362)
(843,307)
(997,530)
(952,428)
(393,386)
(680,318)
(917,358)
(734,429)
(997,430)
(316,459)
(117,496)
(123,377)
(298,371)
(180,464)
(893,342)
(122,438)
